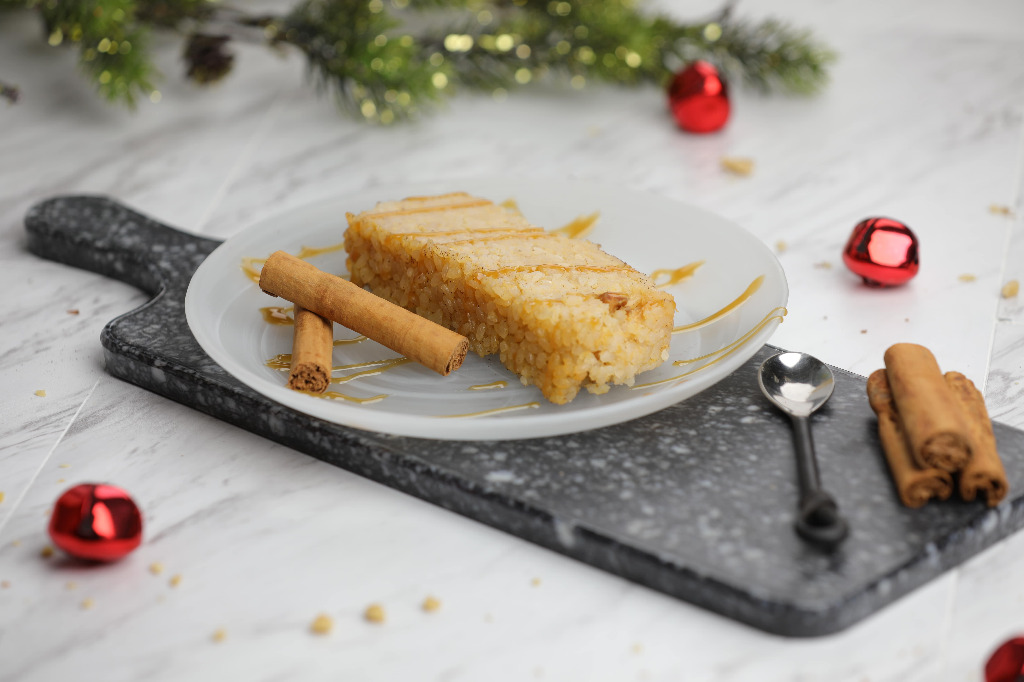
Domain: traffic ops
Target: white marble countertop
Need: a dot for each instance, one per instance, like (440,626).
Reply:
(922,121)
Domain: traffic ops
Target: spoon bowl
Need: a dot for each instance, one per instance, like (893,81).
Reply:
(797,383)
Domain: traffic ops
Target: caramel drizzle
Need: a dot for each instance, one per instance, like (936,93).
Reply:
(777,313)
(552,266)
(579,226)
(431,209)
(487,387)
(345,342)
(283,361)
(484,413)
(249,268)
(675,275)
(500,233)
(747,293)
(383,366)
(335,395)
(273,314)
(512,205)
(249,264)
(310,251)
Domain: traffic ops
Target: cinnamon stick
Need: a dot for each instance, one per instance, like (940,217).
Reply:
(933,421)
(312,351)
(914,485)
(404,332)
(984,473)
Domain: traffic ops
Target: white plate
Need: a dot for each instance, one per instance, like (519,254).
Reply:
(648,232)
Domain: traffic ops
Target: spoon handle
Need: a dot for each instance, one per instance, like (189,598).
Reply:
(806,462)
(818,519)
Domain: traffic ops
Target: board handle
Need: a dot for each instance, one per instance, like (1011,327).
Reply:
(100,234)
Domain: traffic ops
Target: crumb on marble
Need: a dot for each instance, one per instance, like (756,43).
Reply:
(431,604)
(88,603)
(46,552)
(374,613)
(1,496)
(638,648)
(1009,290)
(781,246)
(321,625)
(61,480)
(156,568)
(70,585)
(41,393)
(823,265)
(1000,209)
(488,618)
(906,319)
(175,580)
(863,331)
(737,165)
(219,635)
(5,584)
(64,465)
(967,277)
(72,311)
(16,543)
(535,582)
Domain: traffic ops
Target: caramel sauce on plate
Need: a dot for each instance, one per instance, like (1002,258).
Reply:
(379,366)
(577,227)
(486,387)
(777,313)
(675,275)
(497,410)
(273,314)
(747,293)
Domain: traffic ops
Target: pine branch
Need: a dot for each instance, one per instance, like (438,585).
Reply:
(386,60)
(111,44)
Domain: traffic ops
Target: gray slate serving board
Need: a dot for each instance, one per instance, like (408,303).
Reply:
(696,500)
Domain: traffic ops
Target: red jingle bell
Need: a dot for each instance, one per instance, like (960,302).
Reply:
(699,98)
(96,522)
(1007,662)
(882,251)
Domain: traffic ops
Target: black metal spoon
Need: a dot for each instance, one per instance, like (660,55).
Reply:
(799,384)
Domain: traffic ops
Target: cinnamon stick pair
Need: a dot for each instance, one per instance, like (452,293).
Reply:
(320,298)
(933,426)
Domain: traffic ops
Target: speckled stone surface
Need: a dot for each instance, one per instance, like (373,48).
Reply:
(696,500)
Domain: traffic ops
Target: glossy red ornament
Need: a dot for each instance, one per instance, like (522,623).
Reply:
(699,98)
(97,522)
(1007,663)
(882,251)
